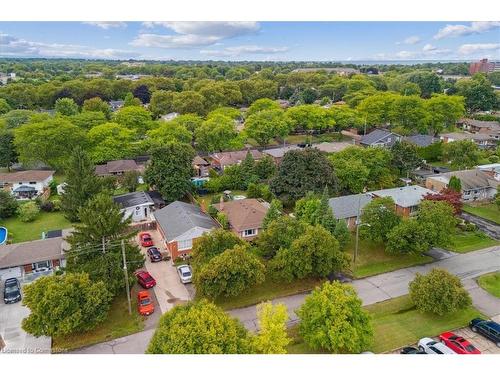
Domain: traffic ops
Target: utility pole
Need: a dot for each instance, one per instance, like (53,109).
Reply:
(126,277)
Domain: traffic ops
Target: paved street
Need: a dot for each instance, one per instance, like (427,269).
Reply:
(133,344)
(395,284)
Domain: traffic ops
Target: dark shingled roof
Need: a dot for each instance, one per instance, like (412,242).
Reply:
(133,199)
(116,166)
(22,253)
(421,140)
(348,205)
(375,136)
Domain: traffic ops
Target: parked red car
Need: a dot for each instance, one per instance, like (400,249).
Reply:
(145,239)
(145,279)
(144,303)
(458,344)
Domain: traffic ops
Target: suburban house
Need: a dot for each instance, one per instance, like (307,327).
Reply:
(476,126)
(278,153)
(420,175)
(137,205)
(421,140)
(406,198)
(245,216)
(493,170)
(28,260)
(180,224)
(200,166)
(379,138)
(330,147)
(115,105)
(221,160)
(481,139)
(117,168)
(27,184)
(348,207)
(169,116)
(476,184)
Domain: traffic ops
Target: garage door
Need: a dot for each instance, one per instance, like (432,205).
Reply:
(10,272)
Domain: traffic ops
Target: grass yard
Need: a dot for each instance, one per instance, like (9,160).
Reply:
(118,324)
(266,291)
(372,259)
(205,200)
(488,211)
(491,283)
(21,232)
(463,242)
(397,323)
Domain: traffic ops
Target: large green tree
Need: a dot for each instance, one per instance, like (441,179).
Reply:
(162,102)
(199,328)
(332,318)
(169,131)
(381,217)
(8,204)
(96,105)
(462,154)
(272,337)
(65,304)
(8,152)
(170,170)
(279,233)
(216,134)
(212,244)
(266,125)
(110,141)
(66,107)
(405,157)
(134,118)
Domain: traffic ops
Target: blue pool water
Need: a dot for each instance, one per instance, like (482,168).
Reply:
(3,235)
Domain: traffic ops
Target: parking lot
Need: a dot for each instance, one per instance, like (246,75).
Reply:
(169,290)
(15,338)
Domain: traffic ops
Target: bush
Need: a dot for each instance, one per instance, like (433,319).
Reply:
(28,212)
(47,206)
(438,292)
(8,205)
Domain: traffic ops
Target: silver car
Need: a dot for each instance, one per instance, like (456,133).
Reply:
(185,273)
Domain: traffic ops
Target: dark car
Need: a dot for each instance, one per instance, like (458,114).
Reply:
(487,328)
(12,291)
(154,254)
(339,276)
(411,350)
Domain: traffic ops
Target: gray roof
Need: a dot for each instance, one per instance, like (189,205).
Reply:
(22,253)
(421,140)
(280,151)
(406,196)
(376,136)
(133,199)
(348,205)
(469,179)
(178,217)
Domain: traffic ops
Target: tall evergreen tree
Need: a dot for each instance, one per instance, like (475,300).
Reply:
(81,184)
(8,153)
(455,184)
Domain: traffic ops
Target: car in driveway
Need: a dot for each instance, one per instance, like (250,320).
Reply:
(430,346)
(154,254)
(458,344)
(145,239)
(145,303)
(185,273)
(145,279)
(487,328)
(12,291)
(411,350)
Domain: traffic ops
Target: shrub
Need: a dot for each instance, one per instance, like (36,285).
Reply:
(8,205)
(47,206)
(438,292)
(28,211)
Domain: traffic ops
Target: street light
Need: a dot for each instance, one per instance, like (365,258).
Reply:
(358,224)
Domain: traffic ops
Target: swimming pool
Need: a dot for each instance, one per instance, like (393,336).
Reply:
(3,235)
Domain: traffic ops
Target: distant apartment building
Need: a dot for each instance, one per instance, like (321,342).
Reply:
(484,66)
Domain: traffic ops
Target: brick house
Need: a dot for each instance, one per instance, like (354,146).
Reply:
(180,225)
(245,216)
(406,198)
(117,168)
(348,207)
(221,160)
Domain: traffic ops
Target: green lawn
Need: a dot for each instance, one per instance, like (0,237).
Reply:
(488,211)
(266,291)
(397,323)
(206,199)
(491,283)
(463,242)
(20,232)
(118,324)
(372,259)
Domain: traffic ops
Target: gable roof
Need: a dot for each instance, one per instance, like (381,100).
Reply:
(133,199)
(234,157)
(198,160)
(481,124)
(244,213)
(348,205)
(406,196)
(469,179)
(116,166)
(470,136)
(178,218)
(23,176)
(18,254)
(421,140)
(376,136)
(279,152)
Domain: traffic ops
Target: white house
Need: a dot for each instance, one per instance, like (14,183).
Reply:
(138,205)
(26,184)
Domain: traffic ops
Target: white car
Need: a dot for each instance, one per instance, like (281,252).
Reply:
(185,274)
(430,346)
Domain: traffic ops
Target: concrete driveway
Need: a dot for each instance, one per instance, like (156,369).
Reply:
(15,338)
(169,290)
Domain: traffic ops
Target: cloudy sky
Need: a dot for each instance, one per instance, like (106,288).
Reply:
(281,41)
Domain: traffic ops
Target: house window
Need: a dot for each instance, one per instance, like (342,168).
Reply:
(249,232)
(184,245)
(32,182)
(40,266)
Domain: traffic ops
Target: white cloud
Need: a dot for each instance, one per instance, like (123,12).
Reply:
(193,34)
(470,49)
(428,47)
(106,25)
(450,31)
(414,39)
(243,50)
(13,46)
